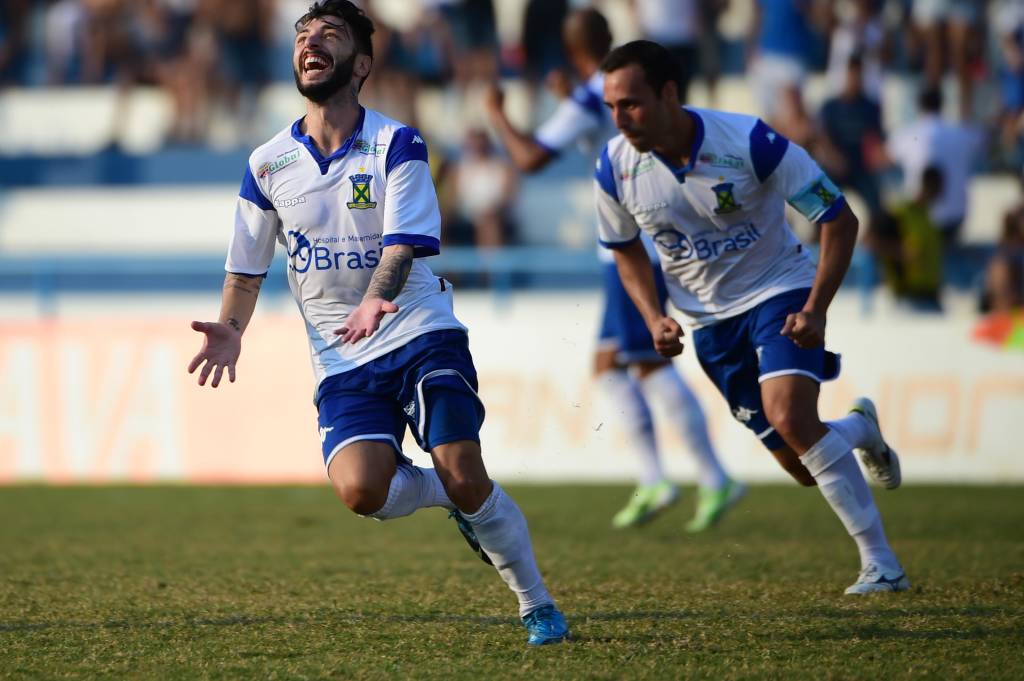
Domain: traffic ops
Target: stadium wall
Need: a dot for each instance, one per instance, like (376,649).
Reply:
(100,394)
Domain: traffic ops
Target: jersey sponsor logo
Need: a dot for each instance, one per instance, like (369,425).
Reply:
(282,161)
(678,246)
(306,255)
(369,148)
(288,203)
(643,166)
(361,192)
(650,208)
(727,161)
(726,200)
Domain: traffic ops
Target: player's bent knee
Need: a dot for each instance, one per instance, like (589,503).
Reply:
(360,498)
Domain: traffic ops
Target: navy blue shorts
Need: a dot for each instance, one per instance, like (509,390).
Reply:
(429,385)
(622,326)
(740,352)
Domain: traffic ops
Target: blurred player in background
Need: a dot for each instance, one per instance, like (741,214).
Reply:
(710,188)
(348,192)
(629,371)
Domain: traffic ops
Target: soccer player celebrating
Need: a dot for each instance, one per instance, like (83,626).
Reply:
(348,192)
(628,370)
(710,188)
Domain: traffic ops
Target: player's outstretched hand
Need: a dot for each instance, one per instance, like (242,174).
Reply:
(806,329)
(365,319)
(221,347)
(667,333)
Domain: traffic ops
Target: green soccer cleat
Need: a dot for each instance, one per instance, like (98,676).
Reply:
(712,505)
(647,501)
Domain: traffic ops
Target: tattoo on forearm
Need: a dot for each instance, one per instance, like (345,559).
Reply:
(248,285)
(234,324)
(390,276)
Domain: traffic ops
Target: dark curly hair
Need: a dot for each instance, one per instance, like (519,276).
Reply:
(359,24)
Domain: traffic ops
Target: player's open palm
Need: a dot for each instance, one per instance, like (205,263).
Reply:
(221,347)
(365,319)
(806,329)
(667,335)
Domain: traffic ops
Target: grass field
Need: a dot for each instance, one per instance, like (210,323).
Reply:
(283,583)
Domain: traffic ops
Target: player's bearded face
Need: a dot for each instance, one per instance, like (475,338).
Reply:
(320,90)
(320,71)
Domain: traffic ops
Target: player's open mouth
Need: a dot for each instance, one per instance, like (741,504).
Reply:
(315,62)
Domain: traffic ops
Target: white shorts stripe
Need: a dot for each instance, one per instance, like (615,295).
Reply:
(384,437)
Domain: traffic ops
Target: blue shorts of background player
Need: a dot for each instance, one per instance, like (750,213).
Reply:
(741,352)
(429,385)
(622,326)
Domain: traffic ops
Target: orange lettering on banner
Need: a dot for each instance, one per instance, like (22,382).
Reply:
(986,390)
(920,393)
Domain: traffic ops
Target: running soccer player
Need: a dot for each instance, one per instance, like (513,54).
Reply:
(628,370)
(348,192)
(710,188)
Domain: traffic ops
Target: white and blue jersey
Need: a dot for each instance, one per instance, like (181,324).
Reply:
(583,120)
(732,266)
(334,215)
(719,223)
(580,119)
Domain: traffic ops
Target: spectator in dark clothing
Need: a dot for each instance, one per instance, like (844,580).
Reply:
(14,19)
(542,38)
(1004,275)
(909,247)
(852,138)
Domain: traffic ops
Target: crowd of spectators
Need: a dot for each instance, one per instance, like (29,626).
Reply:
(912,179)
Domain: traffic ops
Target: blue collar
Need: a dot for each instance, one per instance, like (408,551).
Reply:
(307,141)
(698,140)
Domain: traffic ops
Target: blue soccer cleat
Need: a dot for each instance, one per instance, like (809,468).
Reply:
(469,535)
(546,625)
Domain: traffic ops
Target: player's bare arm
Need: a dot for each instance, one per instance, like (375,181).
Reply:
(385,285)
(524,151)
(638,279)
(222,340)
(838,238)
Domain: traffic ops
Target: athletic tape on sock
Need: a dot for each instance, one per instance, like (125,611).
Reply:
(824,453)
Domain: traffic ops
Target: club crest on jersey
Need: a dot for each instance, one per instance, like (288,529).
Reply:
(726,201)
(361,192)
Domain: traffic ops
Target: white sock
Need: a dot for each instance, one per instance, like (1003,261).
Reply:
(411,488)
(666,388)
(501,530)
(624,400)
(834,467)
(854,428)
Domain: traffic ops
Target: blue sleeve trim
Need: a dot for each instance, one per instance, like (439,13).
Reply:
(406,145)
(589,100)
(422,245)
(833,212)
(252,193)
(605,175)
(767,148)
(616,245)
(248,275)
